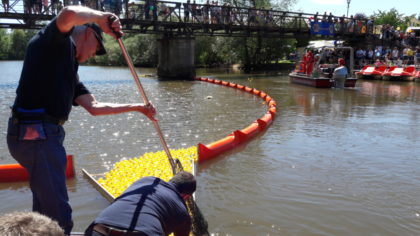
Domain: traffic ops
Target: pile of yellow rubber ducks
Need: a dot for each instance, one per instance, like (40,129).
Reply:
(156,164)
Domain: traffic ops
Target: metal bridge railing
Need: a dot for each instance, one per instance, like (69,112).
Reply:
(162,16)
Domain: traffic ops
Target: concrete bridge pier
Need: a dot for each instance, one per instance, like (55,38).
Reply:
(176,57)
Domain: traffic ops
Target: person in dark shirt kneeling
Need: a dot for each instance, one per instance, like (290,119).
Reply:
(150,206)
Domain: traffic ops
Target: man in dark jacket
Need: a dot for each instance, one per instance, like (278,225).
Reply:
(149,207)
(48,88)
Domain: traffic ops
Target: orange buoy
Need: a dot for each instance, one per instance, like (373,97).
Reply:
(238,137)
(16,172)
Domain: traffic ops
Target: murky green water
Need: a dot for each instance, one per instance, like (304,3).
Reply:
(334,162)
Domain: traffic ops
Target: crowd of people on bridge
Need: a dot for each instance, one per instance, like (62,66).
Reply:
(211,12)
(342,24)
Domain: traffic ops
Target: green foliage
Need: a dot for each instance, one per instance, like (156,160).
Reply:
(4,44)
(391,17)
(283,5)
(18,45)
(204,51)
(141,48)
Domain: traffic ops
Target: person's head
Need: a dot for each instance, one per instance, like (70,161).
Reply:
(88,40)
(341,61)
(185,183)
(28,224)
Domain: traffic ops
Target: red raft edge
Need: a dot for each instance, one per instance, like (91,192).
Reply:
(16,172)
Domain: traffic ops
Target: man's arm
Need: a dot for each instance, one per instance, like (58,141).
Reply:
(72,16)
(95,108)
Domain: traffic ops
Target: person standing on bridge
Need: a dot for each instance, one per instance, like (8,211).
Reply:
(48,87)
(5,5)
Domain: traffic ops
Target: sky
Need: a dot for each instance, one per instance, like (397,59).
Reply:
(368,7)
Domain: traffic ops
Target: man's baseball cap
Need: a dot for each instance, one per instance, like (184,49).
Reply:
(98,34)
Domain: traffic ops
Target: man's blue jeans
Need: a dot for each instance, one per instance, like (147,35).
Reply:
(46,162)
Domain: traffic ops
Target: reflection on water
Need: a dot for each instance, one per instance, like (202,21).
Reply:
(334,162)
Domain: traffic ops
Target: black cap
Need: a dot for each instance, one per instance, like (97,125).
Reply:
(98,34)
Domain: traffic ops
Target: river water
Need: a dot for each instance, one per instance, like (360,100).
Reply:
(334,162)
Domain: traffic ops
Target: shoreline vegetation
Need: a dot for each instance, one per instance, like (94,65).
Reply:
(210,52)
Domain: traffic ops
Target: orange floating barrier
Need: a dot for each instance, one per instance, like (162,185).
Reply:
(248,89)
(268,118)
(251,131)
(206,152)
(263,95)
(238,137)
(272,110)
(256,92)
(16,172)
(262,124)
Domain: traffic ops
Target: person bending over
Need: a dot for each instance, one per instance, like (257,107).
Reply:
(149,207)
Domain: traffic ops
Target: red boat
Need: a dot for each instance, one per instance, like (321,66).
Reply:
(325,78)
(371,72)
(320,82)
(400,74)
(417,77)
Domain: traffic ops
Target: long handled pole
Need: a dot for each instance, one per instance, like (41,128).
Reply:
(200,226)
(146,102)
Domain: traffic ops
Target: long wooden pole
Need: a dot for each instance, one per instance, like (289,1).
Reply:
(199,223)
(146,102)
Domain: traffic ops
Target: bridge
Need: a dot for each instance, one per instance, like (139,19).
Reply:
(179,23)
(175,18)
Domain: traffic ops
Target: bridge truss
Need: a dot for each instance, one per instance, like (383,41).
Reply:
(182,19)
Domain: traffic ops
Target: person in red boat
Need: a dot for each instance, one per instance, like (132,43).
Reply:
(340,74)
(309,62)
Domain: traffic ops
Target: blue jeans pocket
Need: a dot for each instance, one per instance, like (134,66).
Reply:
(32,131)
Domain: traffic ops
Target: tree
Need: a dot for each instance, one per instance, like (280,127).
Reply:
(253,52)
(392,17)
(4,44)
(19,41)
(206,53)
(141,48)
